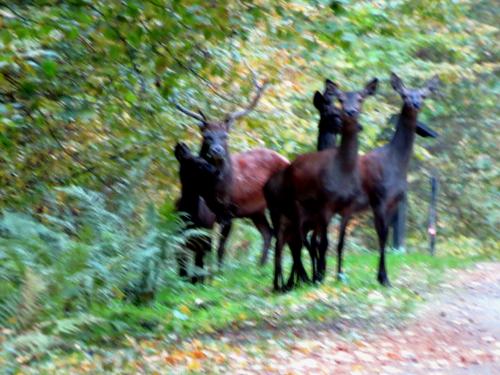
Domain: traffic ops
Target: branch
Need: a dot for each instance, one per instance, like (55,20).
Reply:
(188,68)
(130,50)
(86,168)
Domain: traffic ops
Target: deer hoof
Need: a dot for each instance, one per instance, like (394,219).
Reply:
(342,278)
(383,280)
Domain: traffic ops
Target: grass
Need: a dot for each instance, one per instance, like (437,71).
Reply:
(186,317)
(242,298)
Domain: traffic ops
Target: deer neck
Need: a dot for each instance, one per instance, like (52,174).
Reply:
(218,194)
(326,139)
(225,171)
(347,155)
(401,145)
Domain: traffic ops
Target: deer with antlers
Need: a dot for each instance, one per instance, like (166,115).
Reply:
(235,189)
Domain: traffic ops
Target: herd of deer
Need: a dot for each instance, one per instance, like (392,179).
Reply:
(302,196)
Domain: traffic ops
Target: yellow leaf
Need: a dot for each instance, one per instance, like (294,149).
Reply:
(185,310)
(194,365)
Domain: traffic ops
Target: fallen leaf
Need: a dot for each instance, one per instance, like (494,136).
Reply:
(198,354)
(194,365)
(184,309)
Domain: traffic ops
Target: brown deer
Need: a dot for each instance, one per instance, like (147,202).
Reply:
(314,187)
(236,189)
(384,170)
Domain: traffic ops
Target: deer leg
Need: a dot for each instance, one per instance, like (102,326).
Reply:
(224,234)
(204,247)
(278,283)
(182,260)
(340,246)
(207,249)
(260,222)
(298,271)
(382,228)
(198,262)
(312,247)
(323,247)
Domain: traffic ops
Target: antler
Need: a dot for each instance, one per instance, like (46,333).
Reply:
(198,116)
(258,94)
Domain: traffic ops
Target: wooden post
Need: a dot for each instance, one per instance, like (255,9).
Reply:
(432,229)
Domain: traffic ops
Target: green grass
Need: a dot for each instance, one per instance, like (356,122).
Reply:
(242,297)
(241,300)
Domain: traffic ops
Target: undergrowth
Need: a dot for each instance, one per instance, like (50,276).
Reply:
(97,279)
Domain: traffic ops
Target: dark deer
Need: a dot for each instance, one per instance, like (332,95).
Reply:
(384,171)
(329,118)
(195,212)
(328,128)
(314,187)
(236,189)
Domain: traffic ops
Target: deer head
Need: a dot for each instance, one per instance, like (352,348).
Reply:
(413,99)
(215,133)
(329,115)
(193,169)
(351,102)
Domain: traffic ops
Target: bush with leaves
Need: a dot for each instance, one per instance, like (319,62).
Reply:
(55,266)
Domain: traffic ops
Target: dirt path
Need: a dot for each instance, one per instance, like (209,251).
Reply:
(458,332)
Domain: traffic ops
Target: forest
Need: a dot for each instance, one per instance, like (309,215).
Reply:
(89,231)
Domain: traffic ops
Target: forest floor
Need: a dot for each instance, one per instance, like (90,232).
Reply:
(457,332)
(434,320)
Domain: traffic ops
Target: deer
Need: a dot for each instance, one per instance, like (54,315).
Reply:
(313,188)
(236,189)
(194,209)
(329,118)
(327,139)
(384,170)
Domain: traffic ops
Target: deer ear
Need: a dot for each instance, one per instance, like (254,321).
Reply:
(432,85)
(397,83)
(202,125)
(181,151)
(370,88)
(228,123)
(331,89)
(424,131)
(319,100)
(203,121)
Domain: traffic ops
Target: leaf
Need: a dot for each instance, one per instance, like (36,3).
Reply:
(49,68)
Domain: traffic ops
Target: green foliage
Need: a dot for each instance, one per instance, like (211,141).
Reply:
(86,89)
(55,267)
(86,92)
(241,299)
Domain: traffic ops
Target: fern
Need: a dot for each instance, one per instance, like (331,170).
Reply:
(64,261)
